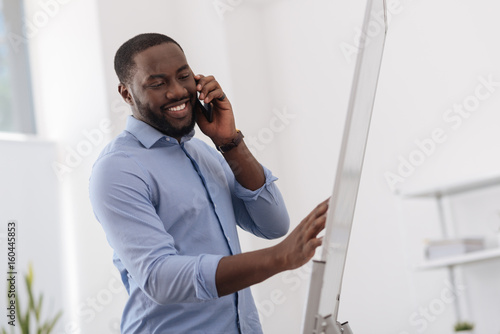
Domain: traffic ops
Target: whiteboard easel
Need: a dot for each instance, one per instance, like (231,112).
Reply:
(326,277)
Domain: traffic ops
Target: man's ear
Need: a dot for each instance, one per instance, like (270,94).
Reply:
(125,93)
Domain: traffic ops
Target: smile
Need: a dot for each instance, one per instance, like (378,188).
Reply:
(177,108)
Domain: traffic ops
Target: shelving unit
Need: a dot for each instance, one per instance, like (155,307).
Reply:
(441,193)
(452,188)
(476,256)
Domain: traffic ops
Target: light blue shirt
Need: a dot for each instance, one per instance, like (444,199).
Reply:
(170,212)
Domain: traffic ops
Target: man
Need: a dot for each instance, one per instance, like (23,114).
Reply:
(169,203)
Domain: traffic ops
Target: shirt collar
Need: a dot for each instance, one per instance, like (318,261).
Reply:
(148,135)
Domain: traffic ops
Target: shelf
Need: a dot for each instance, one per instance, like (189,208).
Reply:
(460,259)
(453,187)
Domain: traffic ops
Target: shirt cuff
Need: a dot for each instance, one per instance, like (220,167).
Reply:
(267,191)
(206,267)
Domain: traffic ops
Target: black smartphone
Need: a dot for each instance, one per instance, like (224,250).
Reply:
(206,109)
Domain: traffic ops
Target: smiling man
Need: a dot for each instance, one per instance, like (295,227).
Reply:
(169,204)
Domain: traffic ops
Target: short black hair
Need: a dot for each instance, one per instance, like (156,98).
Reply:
(124,57)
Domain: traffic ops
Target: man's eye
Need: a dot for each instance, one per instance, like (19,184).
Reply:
(156,85)
(184,77)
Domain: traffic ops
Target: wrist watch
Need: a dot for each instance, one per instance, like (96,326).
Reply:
(235,142)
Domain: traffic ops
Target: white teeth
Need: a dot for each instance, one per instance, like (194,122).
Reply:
(180,107)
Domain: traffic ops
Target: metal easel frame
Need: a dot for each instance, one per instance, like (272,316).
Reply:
(326,277)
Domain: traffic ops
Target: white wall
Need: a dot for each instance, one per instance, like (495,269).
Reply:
(284,57)
(72,110)
(30,197)
(432,60)
(434,53)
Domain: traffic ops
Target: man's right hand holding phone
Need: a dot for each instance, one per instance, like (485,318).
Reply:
(222,129)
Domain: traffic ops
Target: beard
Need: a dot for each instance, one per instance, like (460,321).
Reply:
(160,122)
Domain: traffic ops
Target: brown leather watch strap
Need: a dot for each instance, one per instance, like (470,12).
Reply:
(235,142)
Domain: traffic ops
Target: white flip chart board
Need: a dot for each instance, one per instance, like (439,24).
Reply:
(326,279)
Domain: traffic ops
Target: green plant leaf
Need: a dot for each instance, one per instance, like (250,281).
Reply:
(463,326)
(34,309)
(29,283)
(30,275)
(38,308)
(45,328)
(53,322)
(20,317)
(26,327)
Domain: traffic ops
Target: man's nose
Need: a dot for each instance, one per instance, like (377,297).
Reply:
(176,91)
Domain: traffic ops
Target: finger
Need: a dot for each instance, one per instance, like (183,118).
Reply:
(311,248)
(316,227)
(315,243)
(303,224)
(319,210)
(206,92)
(197,78)
(216,94)
(203,80)
(322,208)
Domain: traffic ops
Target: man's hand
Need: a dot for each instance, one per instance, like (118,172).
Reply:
(247,170)
(299,247)
(243,270)
(223,129)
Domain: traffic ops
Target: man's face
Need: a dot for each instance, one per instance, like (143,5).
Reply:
(162,90)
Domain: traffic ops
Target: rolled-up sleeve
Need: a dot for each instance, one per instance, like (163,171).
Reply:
(262,211)
(123,203)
